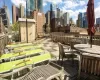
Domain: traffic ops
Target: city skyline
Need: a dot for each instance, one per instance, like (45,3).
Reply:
(73,6)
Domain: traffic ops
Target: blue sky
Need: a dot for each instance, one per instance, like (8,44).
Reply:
(71,6)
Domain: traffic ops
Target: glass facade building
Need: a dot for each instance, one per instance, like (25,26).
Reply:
(82,20)
(27,7)
(32,5)
(85,22)
(40,5)
(81,15)
(98,21)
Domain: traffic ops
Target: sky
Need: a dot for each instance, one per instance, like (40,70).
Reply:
(71,6)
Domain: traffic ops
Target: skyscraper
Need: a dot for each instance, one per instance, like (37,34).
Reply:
(47,15)
(98,21)
(21,11)
(85,22)
(81,15)
(32,5)
(82,20)
(27,7)
(5,16)
(66,18)
(13,14)
(40,5)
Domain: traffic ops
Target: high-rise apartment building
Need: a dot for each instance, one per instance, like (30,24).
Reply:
(5,16)
(40,5)
(85,22)
(21,11)
(66,18)
(40,21)
(98,21)
(82,20)
(13,14)
(34,5)
(81,15)
(98,24)
(58,13)
(47,15)
(27,8)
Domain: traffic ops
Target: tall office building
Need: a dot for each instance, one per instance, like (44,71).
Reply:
(58,13)
(85,22)
(40,19)
(21,11)
(47,15)
(13,14)
(98,24)
(32,5)
(53,10)
(17,13)
(97,21)
(82,20)
(27,8)
(81,15)
(40,5)
(66,18)
(5,16)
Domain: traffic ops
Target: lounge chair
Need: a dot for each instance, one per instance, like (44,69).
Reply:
(44,72)
(19,55)
(9,68)
(24,48)
(15,45)
(18,45)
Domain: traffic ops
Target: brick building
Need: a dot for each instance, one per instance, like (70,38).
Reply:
(40,21)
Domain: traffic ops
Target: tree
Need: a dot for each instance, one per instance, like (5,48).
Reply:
(15,26)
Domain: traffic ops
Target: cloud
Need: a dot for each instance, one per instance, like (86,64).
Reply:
(97,12)
(74,13)
(44,4)
(53,1)
(18,2)
(73,4)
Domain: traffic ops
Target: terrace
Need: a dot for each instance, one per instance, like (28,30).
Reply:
(71,71)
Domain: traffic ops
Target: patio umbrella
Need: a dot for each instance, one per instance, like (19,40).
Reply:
(90,19)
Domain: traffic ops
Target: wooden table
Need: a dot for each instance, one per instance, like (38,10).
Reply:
(89,58)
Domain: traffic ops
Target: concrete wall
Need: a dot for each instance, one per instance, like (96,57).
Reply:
(3,42)
(30,29)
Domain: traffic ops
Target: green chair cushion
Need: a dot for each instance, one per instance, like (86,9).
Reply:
(5,56)
(4,67)
(19,45)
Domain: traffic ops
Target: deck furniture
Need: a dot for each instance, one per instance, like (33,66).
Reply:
(89,58)
(62,54)
(7,68)
(25,48)
(44,72)
(19,55)
(18,45)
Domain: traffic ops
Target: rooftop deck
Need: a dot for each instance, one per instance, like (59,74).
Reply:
(70,69)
